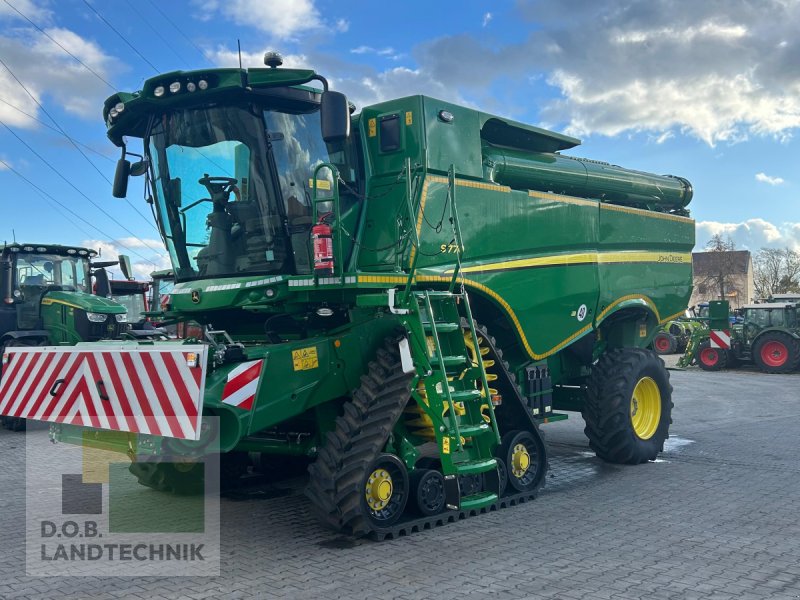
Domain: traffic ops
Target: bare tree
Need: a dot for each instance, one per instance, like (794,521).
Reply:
(776,271)
(721,268)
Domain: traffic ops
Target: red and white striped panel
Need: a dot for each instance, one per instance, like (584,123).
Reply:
(141,389)
(720,338)
(242,384)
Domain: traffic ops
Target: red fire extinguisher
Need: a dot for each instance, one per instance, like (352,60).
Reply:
(322,237)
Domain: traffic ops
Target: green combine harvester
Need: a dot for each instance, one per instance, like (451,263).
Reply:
(400,295)
(47,300)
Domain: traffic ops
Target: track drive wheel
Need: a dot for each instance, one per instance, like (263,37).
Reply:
(385,488)
(711,359)
(628,406)
(776,352)
(665,343)
(427,491)
(524,456)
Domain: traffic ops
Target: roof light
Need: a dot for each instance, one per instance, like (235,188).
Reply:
(41,249)
(14,249)
(159,91)
(202,84)
(113,113)
(82,252)
(72,251)
(191,86)
(119,106)
(175,87)
(28,248)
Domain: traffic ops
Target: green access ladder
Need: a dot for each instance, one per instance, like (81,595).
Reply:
(455,395)
(453,390)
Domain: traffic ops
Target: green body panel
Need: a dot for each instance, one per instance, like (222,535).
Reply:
(58,313)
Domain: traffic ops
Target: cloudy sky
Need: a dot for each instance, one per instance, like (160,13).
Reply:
(706,90)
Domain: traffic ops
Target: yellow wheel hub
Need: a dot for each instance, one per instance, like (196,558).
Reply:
(520,461)
(378,490)
(645,408)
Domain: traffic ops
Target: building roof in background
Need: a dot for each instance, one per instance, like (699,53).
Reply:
(734,261)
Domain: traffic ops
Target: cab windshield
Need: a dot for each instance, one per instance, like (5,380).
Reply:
(133,303)
(233,188)
(71,273)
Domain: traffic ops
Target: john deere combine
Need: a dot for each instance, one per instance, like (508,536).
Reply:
(402,295)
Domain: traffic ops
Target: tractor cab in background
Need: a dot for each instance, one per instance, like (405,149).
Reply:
(47,300)
(47,297)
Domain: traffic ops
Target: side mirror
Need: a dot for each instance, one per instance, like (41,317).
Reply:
(334,117)
(102,286)
(120,188)
(138,168)
(6,281)
(125,266)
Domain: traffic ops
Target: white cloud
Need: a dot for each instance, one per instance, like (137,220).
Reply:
(486,19)
(764,178)
(56,75)
(719,71)
(282,19)
(752,234)
(110,250)
(32,10)
(370,50)
(342,25)
(229,57)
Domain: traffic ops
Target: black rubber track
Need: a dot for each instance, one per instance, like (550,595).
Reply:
(413,525)
(513,413)
(360,434)
(608,400)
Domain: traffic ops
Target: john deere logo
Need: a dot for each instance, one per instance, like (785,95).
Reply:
(196,296)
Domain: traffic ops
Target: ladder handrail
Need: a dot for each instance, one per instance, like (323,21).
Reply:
(443,370)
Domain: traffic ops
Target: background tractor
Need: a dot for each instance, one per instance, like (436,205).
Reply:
(767,335)
(47,300)
(674,335)
(400,295)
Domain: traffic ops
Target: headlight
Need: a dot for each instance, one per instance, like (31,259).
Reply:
(159,91)
(123,318)
(96,317)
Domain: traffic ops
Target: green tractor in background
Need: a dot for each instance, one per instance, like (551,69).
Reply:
(400,296)
(674,336)
(767,335)
(47,300)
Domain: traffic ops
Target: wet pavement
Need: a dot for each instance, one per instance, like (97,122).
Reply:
(714,517)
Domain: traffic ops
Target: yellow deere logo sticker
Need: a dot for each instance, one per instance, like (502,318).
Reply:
(305,359)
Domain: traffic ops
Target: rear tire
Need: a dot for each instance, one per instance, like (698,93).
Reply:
(628,406)
(776,352)
(665,343)
(711,359)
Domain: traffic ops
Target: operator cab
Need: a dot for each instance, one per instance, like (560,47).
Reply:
(231,166)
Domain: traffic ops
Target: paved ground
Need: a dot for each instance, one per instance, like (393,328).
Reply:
(715,518)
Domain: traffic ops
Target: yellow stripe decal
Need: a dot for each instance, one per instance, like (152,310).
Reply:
(584,258)
(564,199)
(645,213)
(49,301)
(500,300)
